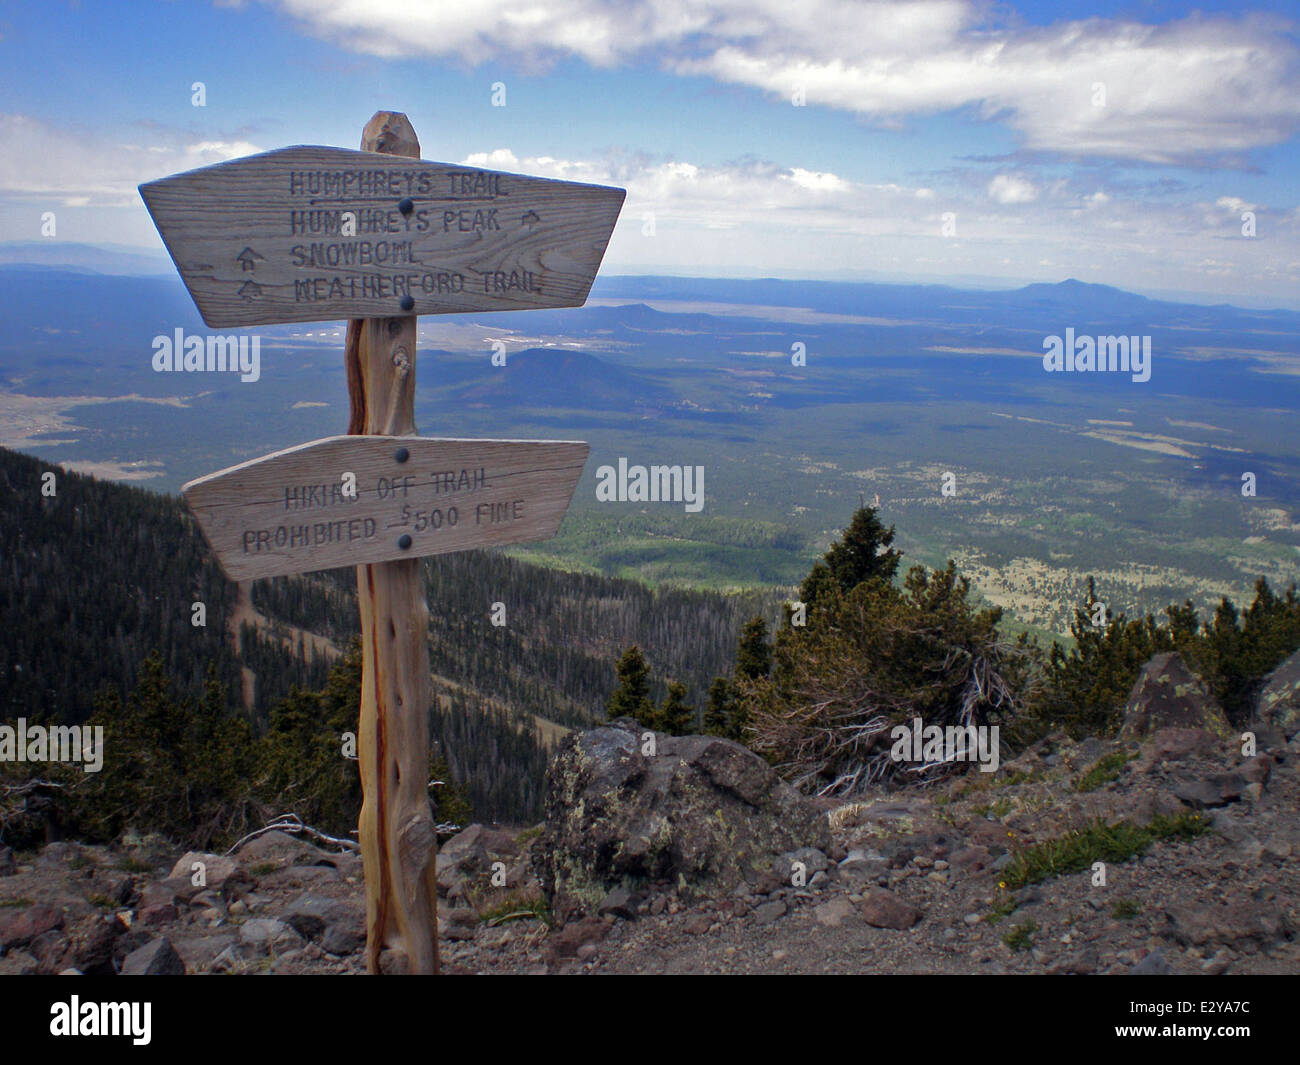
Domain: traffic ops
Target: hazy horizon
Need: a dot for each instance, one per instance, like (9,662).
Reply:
(922,141)
(165,268)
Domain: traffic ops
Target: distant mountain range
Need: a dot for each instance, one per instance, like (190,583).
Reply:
(844,297)
(90,258)
(912,301)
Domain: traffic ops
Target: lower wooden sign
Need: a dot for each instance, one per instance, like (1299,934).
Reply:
(349,500)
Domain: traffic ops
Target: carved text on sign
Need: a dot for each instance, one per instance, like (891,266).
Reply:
(312,234)
(352,499)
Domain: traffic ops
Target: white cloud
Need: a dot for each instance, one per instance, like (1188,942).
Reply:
(218,151)
(1195,89)
(797,223)
(1009,189)
(817,182)
(1233,204)
(76,169)
(778,223)
(778,220)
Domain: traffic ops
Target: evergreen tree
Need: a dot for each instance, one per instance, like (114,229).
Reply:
(173,765)
(1087,687)
(451,801)
(721,709)
(632,696)
(676,717)
(753,654)
(864,553)
(882,656)
(817,589)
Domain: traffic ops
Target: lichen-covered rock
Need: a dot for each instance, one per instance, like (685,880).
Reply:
(1279,699)
(1176,744)
(700,812)
(1169,695)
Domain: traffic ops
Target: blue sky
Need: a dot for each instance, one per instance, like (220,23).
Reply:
(1117,142)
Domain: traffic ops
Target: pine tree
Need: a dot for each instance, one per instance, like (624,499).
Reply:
(883,656)
(721,708)
(818,589)
(632,696)
(1087,686)
(676,717)
(753,654)
(864,553)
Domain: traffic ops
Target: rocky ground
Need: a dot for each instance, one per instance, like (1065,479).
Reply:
(986,873)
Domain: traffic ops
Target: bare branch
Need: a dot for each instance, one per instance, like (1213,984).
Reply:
(292,824)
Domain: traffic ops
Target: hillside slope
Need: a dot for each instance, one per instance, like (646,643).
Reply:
(98,575)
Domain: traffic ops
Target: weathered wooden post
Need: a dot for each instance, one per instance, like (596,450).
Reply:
(399,843)
(378,236)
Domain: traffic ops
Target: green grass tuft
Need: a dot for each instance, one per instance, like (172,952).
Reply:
(1003,907)
(516,908)
(1125,909)
(999,808)
(1022,936)
(1096,842)
(1103,771)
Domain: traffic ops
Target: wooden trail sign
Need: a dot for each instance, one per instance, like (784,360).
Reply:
(312,234)
(351,499)
(394,237)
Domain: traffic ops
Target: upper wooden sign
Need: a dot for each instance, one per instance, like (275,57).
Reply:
(313,234)
(347,500)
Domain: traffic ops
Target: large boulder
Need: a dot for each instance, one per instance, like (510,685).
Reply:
(1279,699)
(1169,695)
(700,812)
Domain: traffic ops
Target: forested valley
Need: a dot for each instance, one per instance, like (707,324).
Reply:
(111,607)
(222,709)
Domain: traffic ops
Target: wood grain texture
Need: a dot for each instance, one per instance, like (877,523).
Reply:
(258,240)
(396,830)
(286,512)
